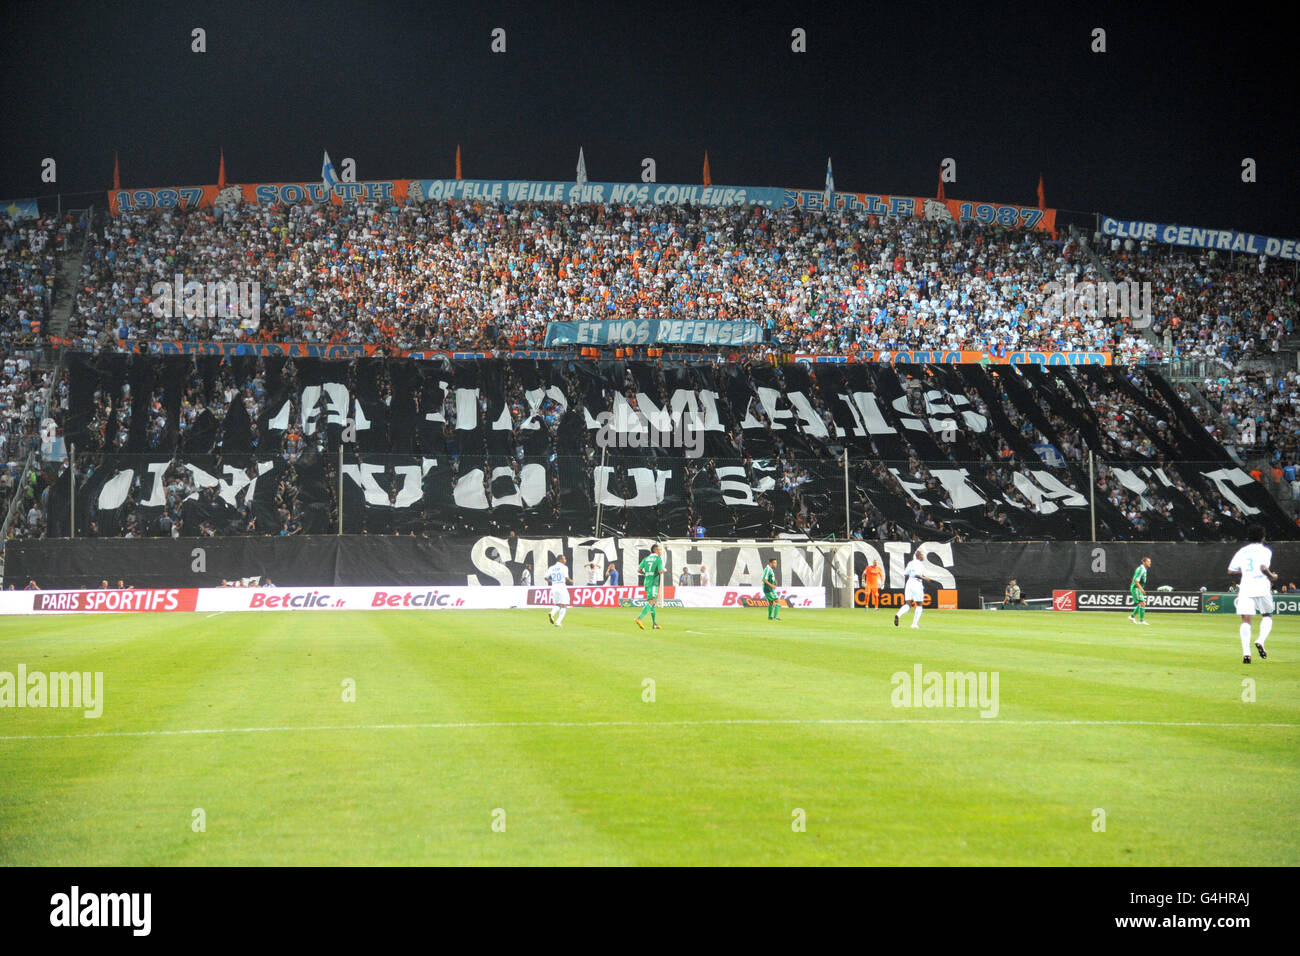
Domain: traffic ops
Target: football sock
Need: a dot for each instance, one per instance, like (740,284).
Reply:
(901,610)
(916,618)
(1245,639)
(645,609)
(653,619)
(560,617)
(1265,626)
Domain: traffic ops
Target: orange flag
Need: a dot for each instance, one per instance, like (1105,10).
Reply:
(221,173)
(1042,201)
(458,160)
(708,180)
(941,197)
(117,179)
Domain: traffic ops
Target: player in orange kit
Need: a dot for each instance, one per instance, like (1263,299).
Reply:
(872,577)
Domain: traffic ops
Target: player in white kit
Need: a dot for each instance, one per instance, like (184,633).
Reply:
(914,581)
(1255,596)
(558,575)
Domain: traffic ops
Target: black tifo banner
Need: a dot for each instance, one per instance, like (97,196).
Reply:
(492,446)
(973,570)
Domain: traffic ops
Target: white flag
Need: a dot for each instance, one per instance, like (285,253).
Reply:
(582,168)
(830,185)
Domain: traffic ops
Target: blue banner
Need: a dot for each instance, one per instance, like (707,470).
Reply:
(654,332)
(1225,240)
(524,190)
(20,209)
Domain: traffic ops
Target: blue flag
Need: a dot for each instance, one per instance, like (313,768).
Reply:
(327,174)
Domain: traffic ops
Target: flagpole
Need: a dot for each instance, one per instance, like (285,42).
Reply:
(848,516)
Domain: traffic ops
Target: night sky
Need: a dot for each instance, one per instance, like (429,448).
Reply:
(1155,128)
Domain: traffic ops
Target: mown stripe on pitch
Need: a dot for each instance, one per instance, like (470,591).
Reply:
(488,724)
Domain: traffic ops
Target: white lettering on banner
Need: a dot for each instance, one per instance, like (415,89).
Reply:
(336,408)
(1131,481)
(683,400)
(1043,498)
(114,491)
(650,484)
(911,487)
(412,487)
(1238,478)
(399,597)
(583,551)
(466,409)
(634,549)
(470,491)
(535,397)
(436,415)
(954,402)
(867,414)
(962,493)
(280,420)
(843,573)
(905,416)
(332,404)
(157,497)
(1186,602)
(409,492)
(748,569)
(767,397)
(941,551)
(235,482)
(484,555)
(934,406)
(742,492)
(807,566)
(897,552)
(364,475)
(1227,240)
(810,423)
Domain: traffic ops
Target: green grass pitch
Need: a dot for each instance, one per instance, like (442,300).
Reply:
(463,720)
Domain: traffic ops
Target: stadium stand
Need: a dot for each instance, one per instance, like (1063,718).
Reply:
(448,275)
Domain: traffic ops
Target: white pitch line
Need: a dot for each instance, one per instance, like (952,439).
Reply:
(216,613)
(458,725)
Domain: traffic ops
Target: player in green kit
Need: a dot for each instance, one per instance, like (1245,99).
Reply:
(652,569)
(769,592)
(1138,588)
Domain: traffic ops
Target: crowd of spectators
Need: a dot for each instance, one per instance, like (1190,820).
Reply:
(21,411)
(1205,304)
(1258,410)
(475,274)
(28,256)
